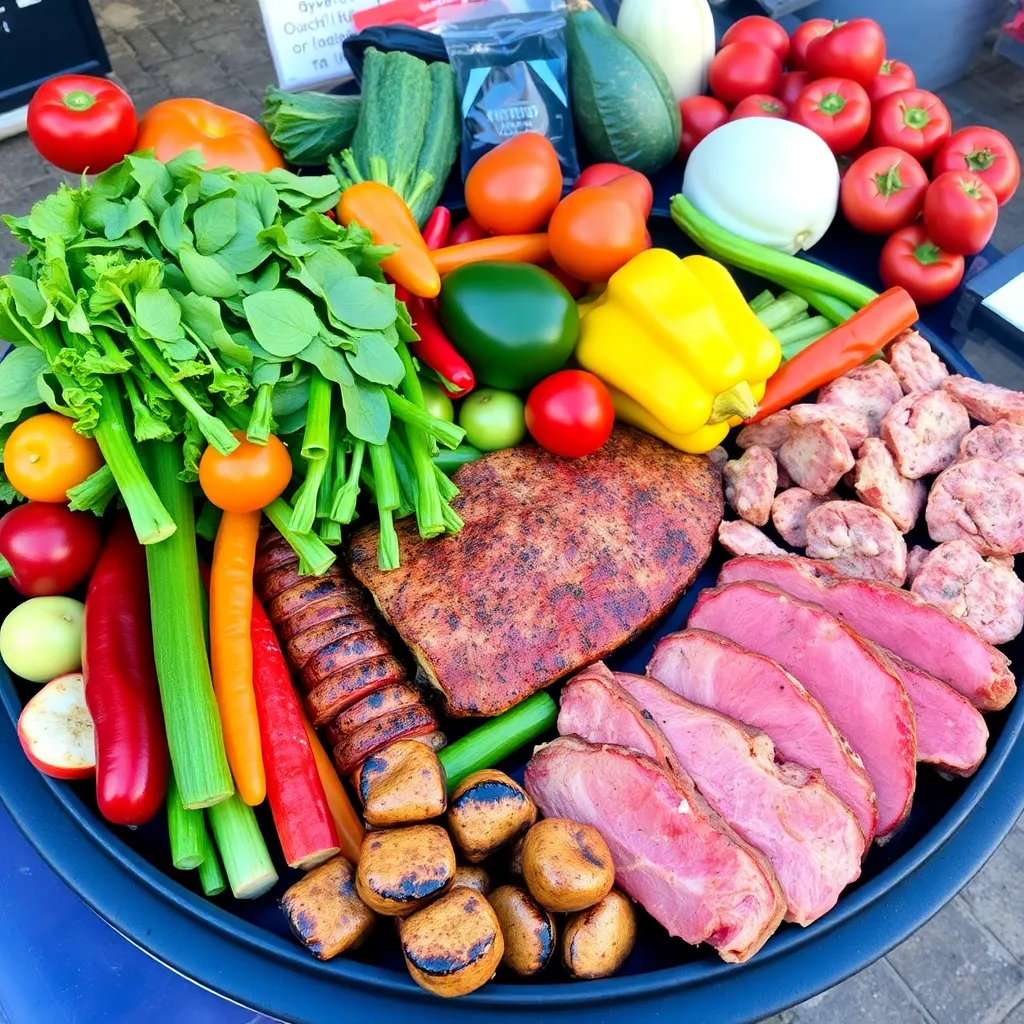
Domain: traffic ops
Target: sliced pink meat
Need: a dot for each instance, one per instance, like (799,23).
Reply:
(790,511)
(816,456)
(1002,442)
(673,854)
(916,364)
(896,619)
(981,502)
(870,390)
(880,484)
(915,559)
(852,424)
(709,669)
(771,432)
(951,732)
(924,431)
(750,484)
(857,541)
(987,596)
(739,537)
(987,403)
(847,674)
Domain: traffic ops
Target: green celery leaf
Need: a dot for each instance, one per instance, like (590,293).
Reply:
(257,191)
(374,359)
(19,379)
(115,278)
(291,394)
(244,253)
(283,322)
(118,219)
(361,303)
(314,186)
(327,265)
(154,181)
(29,303)
(114,183)
(367,414)
(57,214)
(215,183)
(329,361)
(206,275)
(158,315)
(215,224)
(184,166)
(231,383)
(277,238)
(192,451)
(265,373)
(172,228)
(203,316)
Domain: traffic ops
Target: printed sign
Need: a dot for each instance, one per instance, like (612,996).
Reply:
(305,38)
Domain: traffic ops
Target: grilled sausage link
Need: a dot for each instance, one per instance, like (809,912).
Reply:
(335,642)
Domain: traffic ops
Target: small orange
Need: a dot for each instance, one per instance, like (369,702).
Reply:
(45,457)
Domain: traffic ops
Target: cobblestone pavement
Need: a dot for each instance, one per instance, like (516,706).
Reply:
(966,966)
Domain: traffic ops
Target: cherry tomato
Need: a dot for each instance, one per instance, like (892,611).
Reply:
(701,116)
(837,109)
(594,232)
(803,35)
(756,28)
(633,184)
(570,413)
(792,84)
(913,120)
(467,231)
(853,49)
(45,457)
(960,212)
(742,69)
(514,189)
(985,152)
(893,76)
(883,190)
(759,105)
(911,260)
(250,478)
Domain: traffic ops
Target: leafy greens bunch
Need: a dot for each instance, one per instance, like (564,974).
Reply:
(172,304)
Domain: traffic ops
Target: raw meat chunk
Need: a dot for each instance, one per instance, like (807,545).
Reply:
(816,456)
(988,597)
(770,433)
(870,390)
(987,403)
(981,502)
(750,484)
(739,537)
(1002,442)
(857,541)
(916,365)
(924,431)
(785,481)
(718,456)
(790,510)
(915,559)
(878,483)
(852,424)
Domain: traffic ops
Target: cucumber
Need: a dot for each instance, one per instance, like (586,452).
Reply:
(622,102)
(440,144)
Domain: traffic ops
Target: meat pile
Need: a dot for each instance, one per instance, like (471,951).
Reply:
(845,479)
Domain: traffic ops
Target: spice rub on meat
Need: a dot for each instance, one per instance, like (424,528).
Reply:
(559,563)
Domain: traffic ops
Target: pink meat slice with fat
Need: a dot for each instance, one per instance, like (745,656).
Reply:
(810,837)
(708,669)
(846,673)
(936,642)
(673,854)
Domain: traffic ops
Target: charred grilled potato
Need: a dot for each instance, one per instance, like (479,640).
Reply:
(402,784)
(401,869)
(325,911)
(567,866)
(486,811)
(597,941)
(472,876)
(527,928)
(453,946)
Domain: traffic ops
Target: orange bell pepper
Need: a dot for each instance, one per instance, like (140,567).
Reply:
(382,211)
(224,137)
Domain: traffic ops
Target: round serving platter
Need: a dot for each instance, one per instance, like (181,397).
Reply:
(242,950)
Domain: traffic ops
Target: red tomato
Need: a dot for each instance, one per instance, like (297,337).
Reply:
(48,549)
(80,123)
(883,190)
(986,152)
(960,212)
(759,105)
(803,35)
(466,231)
(893,76)
(701,116)
(570,413)
(756,28)
(911,260)
(792,84)
(837,109)
(742,69)
(853,49)
(594,232)
(632,184)
(913,120)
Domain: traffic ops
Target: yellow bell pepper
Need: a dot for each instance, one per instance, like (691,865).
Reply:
(678,340)
(700,441)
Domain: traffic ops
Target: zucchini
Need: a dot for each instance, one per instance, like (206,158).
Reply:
(401,105)
(622,102)
(308,127)
(440,144)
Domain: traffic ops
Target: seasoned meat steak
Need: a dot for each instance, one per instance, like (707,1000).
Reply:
(560,562)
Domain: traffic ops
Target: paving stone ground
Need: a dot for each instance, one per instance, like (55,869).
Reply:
(966,966)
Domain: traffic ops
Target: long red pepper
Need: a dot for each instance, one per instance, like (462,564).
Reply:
(438,228)
(298,803)
(434,348)
(120,683)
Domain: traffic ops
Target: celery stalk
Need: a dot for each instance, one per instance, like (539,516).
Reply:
(211,877)
(208,521)
(409,413)
(247,863)
(312,551)
(344,510)
(185,829)
(759,302)
(182,666)
(782,310)
(429,517)
(94,493)
(258,430)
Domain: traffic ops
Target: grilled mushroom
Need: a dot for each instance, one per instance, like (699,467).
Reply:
(472,876)
(597,941)
(401,869)
(486,811)
(402,784)
(567,866)
(528,930)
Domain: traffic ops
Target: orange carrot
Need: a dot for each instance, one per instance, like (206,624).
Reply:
(502,248)
(234,553)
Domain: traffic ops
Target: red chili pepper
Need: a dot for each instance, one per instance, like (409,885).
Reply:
(121,686)
(298,803)
(438,228)
(434,349)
